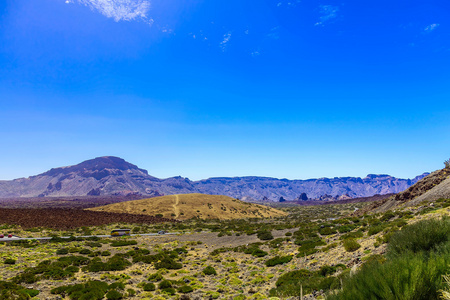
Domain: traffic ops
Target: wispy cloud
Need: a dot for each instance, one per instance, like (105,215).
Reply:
(274,33)
(288,3)
(224,42)
(119,10)
(327,12)
(431,27)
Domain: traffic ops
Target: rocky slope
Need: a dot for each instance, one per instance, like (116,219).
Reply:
(433,187)
(114,176)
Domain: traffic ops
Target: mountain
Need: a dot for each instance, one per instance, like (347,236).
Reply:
(188,206)
(110,175)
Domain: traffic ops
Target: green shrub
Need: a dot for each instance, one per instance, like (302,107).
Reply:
(169,291)
(94,290)
(168,263)
(209,271)
(387,216)
(122,243)
(94,244)
(259,253)
(185,289)
(289,283)
(10,261)
(85,251)
(346,228)
(351,245)
(264,235)
(149,287)
(105,253)
(327,231)
(421,236)
(165,284)
(408,277)
(375,229)
(352,235)
(131,292)
(31,292)
(308,247)
(278,260)
(326,270)
(62,251)
(113,295)
(155,277)
(12,291)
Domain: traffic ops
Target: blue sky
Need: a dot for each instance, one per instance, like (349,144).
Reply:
(288,89)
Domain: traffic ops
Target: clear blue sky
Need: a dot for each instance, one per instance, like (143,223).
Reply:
(283,88)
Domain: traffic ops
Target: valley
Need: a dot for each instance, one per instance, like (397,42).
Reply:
(220,247)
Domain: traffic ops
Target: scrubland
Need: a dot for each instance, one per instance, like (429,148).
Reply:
(317,251)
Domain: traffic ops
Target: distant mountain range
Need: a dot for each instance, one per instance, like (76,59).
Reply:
(110,175)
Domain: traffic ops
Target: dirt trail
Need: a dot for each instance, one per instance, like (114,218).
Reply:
(175,206)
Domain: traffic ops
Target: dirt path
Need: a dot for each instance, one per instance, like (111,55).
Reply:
(175,207)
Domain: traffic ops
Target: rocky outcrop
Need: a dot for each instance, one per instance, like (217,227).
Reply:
(432,187)
(110,175)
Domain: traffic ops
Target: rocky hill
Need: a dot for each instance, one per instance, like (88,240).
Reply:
(432,187)
(114,176)
(188,206)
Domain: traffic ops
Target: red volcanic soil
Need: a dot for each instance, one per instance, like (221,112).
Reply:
(65,202)
(58,218)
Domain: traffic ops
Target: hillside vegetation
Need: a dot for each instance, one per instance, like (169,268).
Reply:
(188,206)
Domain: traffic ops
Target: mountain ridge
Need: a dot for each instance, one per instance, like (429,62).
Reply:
(109,175)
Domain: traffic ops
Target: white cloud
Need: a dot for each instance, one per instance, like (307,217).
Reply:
(327,12)
(226,39)
(431,27)
(119,10)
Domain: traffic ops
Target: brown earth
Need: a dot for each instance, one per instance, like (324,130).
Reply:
(188,206)
(70,218)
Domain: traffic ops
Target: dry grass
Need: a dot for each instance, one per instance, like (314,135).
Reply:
(188,206)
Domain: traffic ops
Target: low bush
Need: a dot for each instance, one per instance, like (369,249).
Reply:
(9,261)
(155,277)
(185,289)
(167,263)
(327,231)
(289,283)
(165,284)
(351,245)
(85,251)
(148,287)
(375,229)
(62,251)
(352,235)
(264,235)
(90,290)
(421,236)
(122,243)
(113,295)
(278,260)
(209,271)
(9,290)
(408,277)
(115,263)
